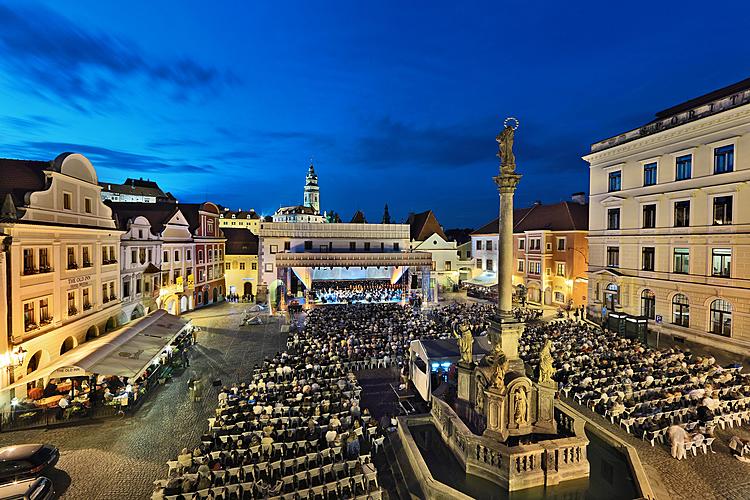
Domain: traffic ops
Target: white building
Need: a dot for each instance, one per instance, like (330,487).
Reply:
(426,235)
(61,253)
(135,191)
(668,217)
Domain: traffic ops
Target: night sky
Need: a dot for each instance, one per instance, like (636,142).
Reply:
(397,102)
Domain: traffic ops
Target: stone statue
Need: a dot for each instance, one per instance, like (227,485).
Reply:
(546,370)
(519,405)
(465,343)
(505,142)
(498,381)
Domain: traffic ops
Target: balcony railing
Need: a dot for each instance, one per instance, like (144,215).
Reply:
(87,306)
(72,311)
(45,269)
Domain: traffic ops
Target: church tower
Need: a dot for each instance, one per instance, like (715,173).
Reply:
(312,191)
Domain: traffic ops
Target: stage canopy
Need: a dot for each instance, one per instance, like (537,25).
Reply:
(487,279)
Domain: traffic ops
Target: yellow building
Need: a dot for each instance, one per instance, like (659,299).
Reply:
(240,219)
(241,263)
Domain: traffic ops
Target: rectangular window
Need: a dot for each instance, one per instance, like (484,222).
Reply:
(72,303)
(28,261)
(560,269)
(560,244)
(352,246)
(615,181)
(647,258)
(138,285)
(489,245)
(112,290)
(254,266)
(72,258)
(126,288)
(87,205)
(490,265)
(367,246)
(479,263)
(681,213)
(228,266)
(29,321)
(188,255)
(649,216)
(681,261)
(210,227)
(721,262)
(105,297)
(724,159)
(44,264)
(649,174)
(447,265)
(273,249)
(683,167)
(479,244)
(722,210)
(520,266)
(211,254)
(613,256)
(176,255)
(86,257)
(548,246)
(521,243)
(613,218)
(308,245)
(269,268)
(86,299)
(165,257)
(44,316)
(242,266)
(395,247)
(559,297)
(67,201)
(133,256)
(287,246)
(548,271)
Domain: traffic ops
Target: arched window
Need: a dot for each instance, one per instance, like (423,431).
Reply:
(680,310)
(648,304)
(721,317)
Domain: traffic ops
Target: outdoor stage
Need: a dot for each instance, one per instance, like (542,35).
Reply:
(354,277)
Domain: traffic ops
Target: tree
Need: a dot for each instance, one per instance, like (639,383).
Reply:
(386,215)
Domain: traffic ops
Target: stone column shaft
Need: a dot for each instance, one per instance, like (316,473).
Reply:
(506,184)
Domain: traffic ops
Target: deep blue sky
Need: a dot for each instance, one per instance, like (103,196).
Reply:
(398,102)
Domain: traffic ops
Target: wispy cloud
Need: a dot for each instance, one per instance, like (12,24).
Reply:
(28,123)
(113,159)
(50,56)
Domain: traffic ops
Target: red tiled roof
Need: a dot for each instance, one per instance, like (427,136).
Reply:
(563,216)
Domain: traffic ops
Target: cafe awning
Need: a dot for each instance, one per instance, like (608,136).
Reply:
(487,278)
(127,352)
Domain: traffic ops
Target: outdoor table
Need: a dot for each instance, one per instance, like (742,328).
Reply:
(49,402)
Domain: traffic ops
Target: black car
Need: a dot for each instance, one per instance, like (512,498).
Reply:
(26,460)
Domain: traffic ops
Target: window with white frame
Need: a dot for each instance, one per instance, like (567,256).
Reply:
(561,244)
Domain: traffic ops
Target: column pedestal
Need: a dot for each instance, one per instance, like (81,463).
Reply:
(507,332)
(497,408)
(465,380)
(544,409)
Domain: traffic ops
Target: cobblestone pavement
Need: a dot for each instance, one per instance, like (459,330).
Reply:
(120,459)
(709,476)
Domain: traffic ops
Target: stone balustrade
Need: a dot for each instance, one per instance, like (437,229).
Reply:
(515,467)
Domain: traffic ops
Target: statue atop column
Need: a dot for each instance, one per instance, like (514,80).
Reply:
(465,343)
(546,369)
(505,143)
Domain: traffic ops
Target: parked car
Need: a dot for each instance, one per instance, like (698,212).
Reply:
(28,489)
(26,461)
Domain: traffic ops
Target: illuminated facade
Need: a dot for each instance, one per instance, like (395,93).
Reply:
(669,208)
(208,272)
(240,219)
(550,251)
(61,257)
(309,211)
(241,263)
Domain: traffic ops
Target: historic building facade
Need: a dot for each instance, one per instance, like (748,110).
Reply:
(61,257)
(208,241)
(669,215)
(550,251)
(426,235)
(240,219)
(241,263)
(135,191)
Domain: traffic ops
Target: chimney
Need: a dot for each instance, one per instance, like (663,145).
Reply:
(579,198)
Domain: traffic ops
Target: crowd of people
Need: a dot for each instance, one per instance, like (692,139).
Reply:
(655,394)
(357,291)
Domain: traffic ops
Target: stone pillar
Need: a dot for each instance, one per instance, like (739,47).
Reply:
(506,186)
(497,420)
(465,380)
(544,409)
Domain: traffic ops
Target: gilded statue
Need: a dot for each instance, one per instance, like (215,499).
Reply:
(519,405)
(505,143)
(465,343)
(546,370)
